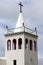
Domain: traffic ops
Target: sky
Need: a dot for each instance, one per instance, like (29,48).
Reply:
(33,16)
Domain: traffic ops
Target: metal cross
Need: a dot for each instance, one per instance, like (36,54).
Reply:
(20,7)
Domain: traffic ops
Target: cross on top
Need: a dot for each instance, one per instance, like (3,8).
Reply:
(20,7)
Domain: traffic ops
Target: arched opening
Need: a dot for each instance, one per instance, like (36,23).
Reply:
(31,44)
(20,43)
(14,44)
(26,43)
(9,45)
(35,45)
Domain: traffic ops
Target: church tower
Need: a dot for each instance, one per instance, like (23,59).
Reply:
(21,44)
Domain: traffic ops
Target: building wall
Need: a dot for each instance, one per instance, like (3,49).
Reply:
(17,54)
(31,57)
(2,62)
(22,56)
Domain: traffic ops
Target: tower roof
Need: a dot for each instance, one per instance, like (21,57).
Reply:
(20,21)
(21,25)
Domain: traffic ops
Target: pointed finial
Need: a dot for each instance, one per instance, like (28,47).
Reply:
(7,29)
(20,7)
(36,30)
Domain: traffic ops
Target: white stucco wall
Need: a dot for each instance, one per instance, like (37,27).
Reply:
(17,54)
(31,57)
(22,56)
(2,62)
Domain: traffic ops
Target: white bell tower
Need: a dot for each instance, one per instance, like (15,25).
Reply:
(21,45)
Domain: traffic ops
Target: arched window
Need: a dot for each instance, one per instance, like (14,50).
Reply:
(9,45)
(19,43)
(31,44)
(14,44)
(26,43)
(35,45)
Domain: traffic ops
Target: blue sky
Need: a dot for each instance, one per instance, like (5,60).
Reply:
(33,15)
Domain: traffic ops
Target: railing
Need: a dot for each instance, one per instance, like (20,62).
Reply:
(21,29)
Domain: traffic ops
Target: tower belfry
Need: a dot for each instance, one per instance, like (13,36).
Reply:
(20,7)
(21,44)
